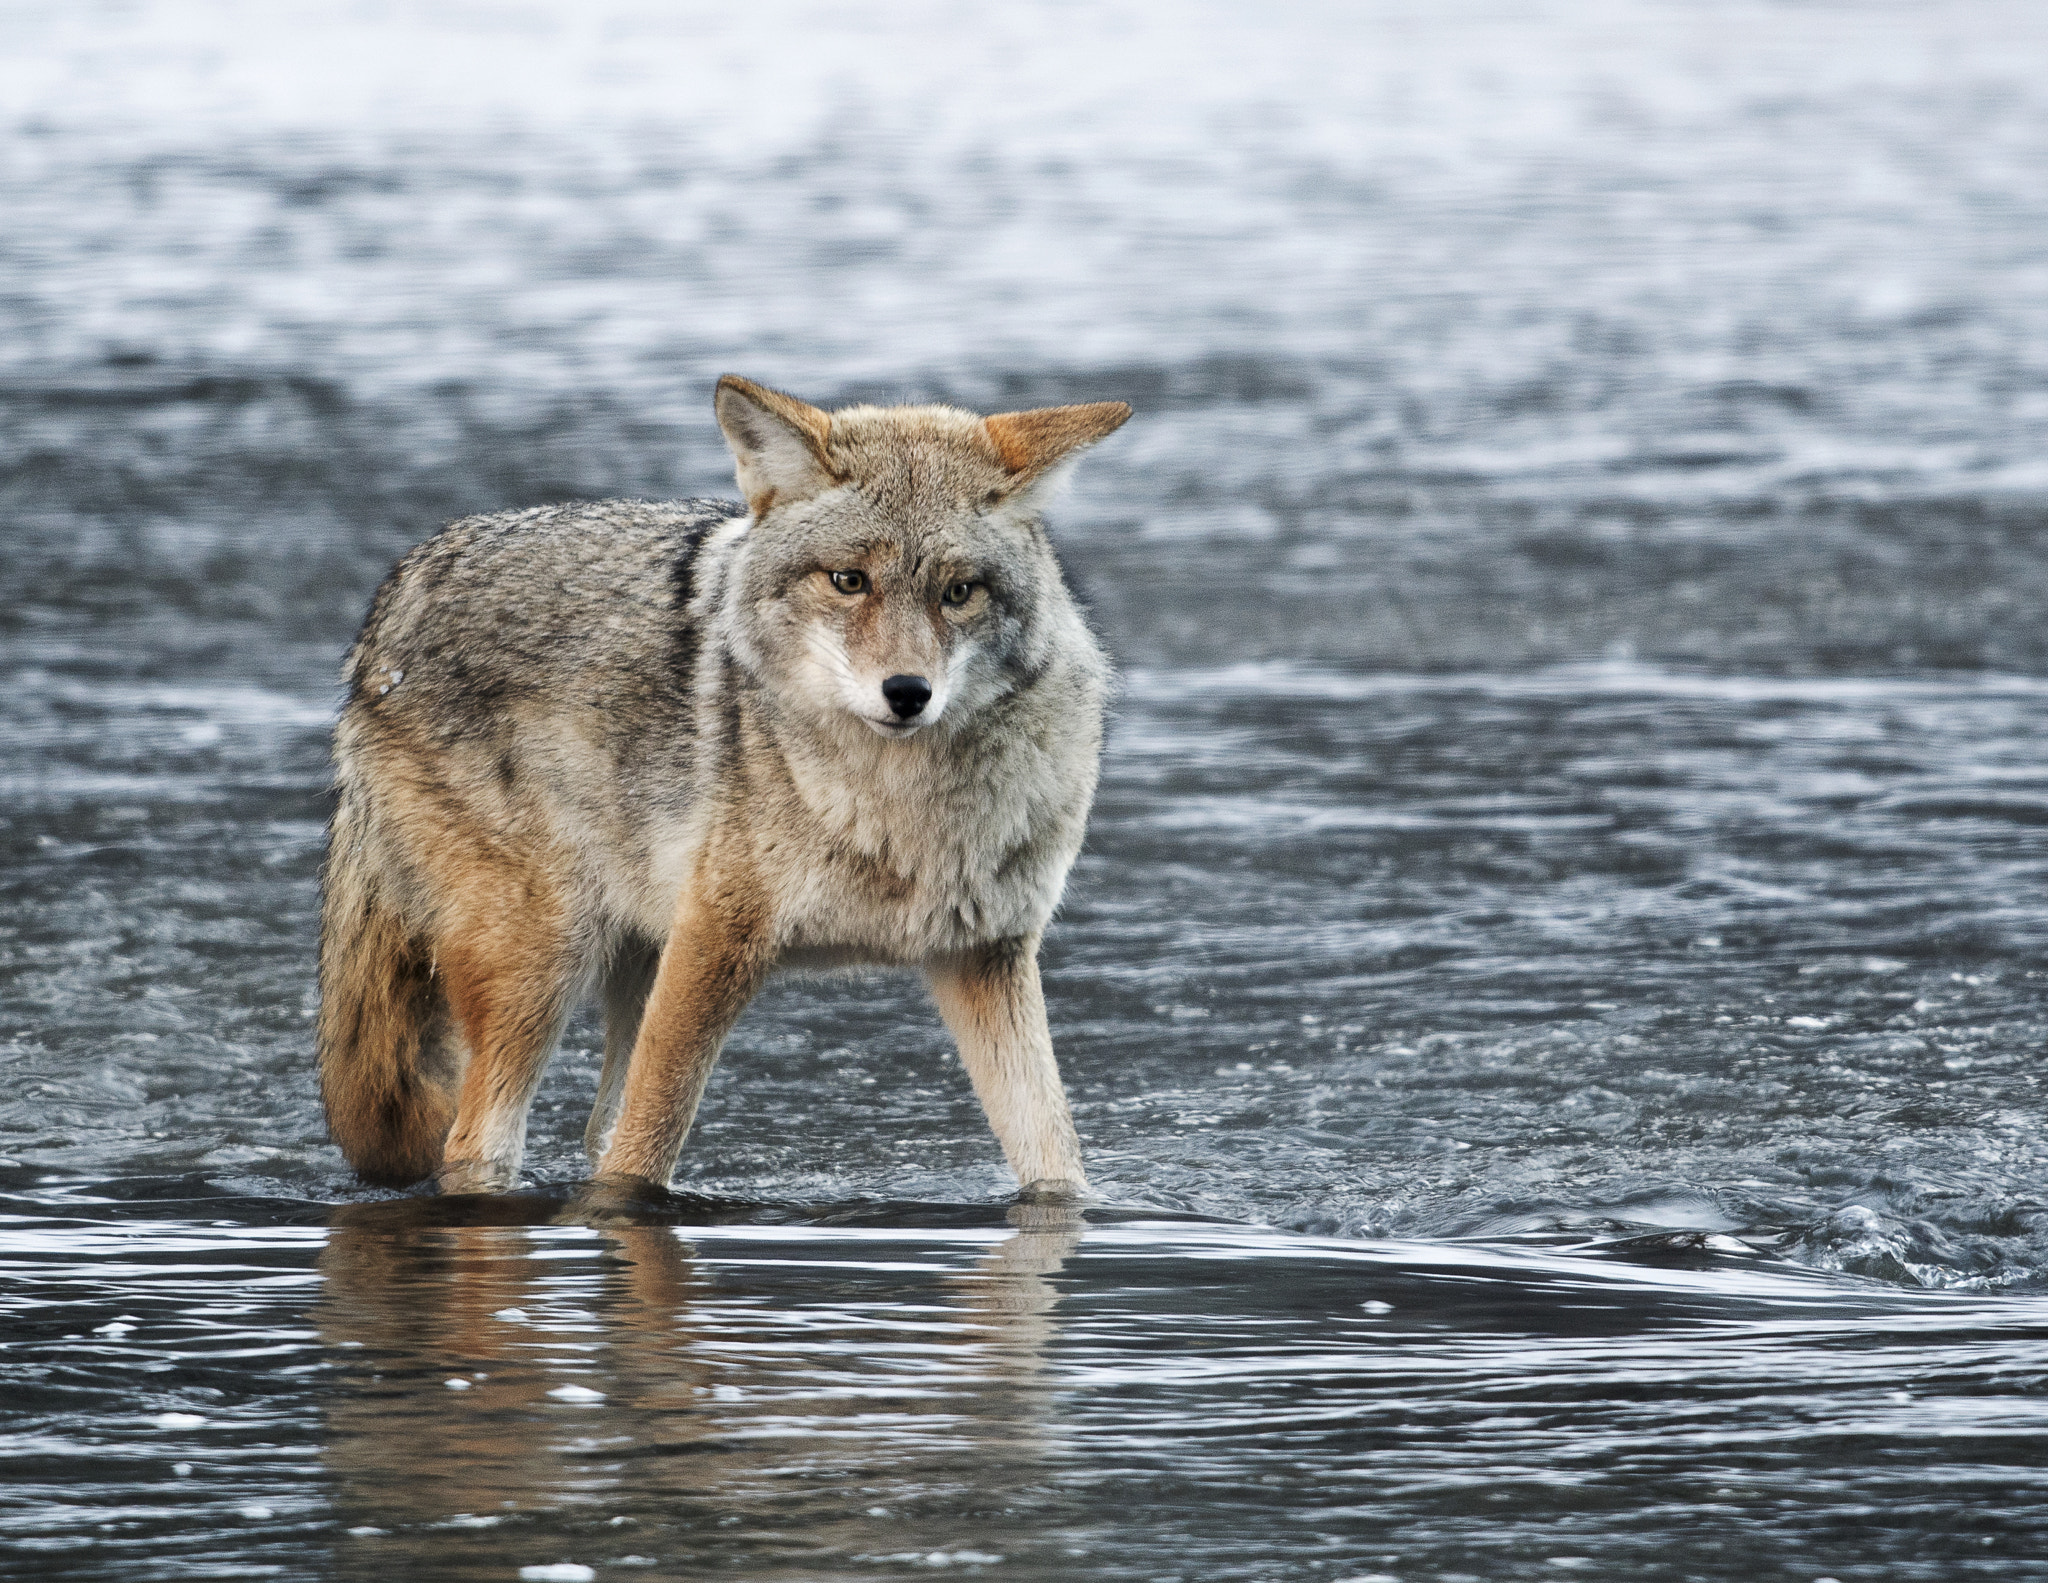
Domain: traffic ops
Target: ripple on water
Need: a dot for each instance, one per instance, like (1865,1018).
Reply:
(718,1386)
(1464,955)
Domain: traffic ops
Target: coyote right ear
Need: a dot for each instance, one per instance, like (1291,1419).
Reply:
(1031,445)
(779,443)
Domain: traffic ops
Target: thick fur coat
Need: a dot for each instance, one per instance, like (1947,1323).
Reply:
(660,751)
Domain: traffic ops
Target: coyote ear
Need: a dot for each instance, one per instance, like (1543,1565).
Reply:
(1031,444)
(779,443)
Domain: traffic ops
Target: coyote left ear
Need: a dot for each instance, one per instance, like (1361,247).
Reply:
(1031,444)
(779,443)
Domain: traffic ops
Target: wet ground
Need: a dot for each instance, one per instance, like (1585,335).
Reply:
(1554,996)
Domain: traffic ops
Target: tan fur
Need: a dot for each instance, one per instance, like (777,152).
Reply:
(740,402)
(992,1004)
(654,749)
(717,957)
(1027,443)
(378,1004)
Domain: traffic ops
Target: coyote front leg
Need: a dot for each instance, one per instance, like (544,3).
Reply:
(717,955)
(991,1000)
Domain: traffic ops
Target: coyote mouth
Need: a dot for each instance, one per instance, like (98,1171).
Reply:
(895,728)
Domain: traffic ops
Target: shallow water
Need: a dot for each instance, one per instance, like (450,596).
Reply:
(1568,865)
(916,1387)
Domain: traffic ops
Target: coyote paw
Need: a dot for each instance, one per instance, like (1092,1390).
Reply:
(1052,1190)
(475,1176)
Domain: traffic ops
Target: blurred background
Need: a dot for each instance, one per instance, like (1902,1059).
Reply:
(1464,336)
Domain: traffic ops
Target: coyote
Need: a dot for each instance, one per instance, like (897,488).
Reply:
(660,751)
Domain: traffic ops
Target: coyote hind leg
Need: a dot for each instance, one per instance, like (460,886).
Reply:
(627,979)
(510,984)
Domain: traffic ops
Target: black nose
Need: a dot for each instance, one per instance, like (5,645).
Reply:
(907,695)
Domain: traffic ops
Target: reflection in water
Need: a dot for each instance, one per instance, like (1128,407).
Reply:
(667,1402)
(854,1394)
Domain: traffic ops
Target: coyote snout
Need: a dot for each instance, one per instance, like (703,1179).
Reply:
(670,749)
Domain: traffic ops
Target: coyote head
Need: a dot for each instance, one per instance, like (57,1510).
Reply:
(894,570)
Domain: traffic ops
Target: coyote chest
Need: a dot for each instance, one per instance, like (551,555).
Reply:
(921,853)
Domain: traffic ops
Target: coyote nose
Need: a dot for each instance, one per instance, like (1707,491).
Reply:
(907,695)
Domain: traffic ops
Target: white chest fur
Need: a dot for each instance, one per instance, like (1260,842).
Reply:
(929,845)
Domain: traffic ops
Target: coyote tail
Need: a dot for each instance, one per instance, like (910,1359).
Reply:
(378,1008)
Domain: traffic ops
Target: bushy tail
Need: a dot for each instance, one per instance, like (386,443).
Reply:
(378,1008)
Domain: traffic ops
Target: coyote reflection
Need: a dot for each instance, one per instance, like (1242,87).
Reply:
(719,1401)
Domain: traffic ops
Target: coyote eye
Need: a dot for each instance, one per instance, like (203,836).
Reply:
(958,594)
(850,582)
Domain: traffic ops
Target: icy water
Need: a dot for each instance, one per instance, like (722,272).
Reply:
(1554,996)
